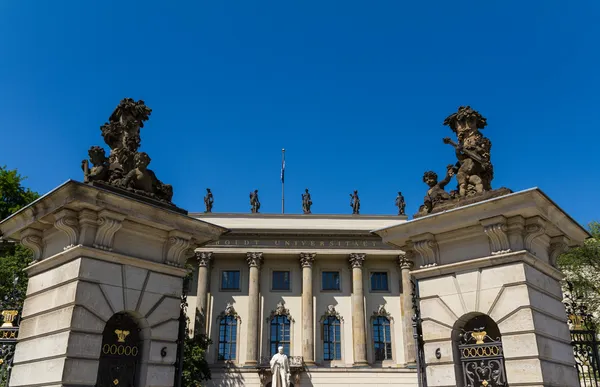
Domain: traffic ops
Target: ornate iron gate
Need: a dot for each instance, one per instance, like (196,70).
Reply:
(584,339)
(9,332)
(418,336)
(482,360)
(10,309)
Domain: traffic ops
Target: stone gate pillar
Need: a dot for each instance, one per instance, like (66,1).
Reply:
(105,266)
(487,284)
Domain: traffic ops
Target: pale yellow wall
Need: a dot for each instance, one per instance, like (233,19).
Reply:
(342,301)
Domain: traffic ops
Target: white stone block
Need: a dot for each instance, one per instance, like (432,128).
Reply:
(42,373)
(90,296)
(167,331)
(523,371)
(164,284)
(101,271)
(435,309)
(155,352)
(42,347)
(149,300)
(521,320)
(440,375)
(446,352)
(46,323)
(50,299)
(87,345)
(114,295)
(495,277)
(167,309)
(435,331)
(132,298)
(135,277)
(83,319)
(160,376)
(511,298)
(50,278)
(519,346)
(80,371)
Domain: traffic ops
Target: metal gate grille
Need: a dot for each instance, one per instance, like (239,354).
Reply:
(482,360)
(584,339)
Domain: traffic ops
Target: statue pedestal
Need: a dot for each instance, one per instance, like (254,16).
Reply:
(103,298)
(488,270)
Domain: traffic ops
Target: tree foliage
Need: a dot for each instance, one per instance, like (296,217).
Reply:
(13,257)
(581,266)
(195,366)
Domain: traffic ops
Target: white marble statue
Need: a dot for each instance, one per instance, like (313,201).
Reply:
(280,368)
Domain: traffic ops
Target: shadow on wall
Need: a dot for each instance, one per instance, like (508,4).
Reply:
(231,378)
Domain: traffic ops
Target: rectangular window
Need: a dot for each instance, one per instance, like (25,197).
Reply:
(379,281)
(230,280)
(281,280)
(331,280)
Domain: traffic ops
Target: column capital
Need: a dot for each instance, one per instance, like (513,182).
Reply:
(254,259)
(204,258)
(406,260)
(307,259)
(357,259)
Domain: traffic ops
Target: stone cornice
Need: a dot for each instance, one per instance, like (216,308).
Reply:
(90,252)
(76,196)
(528,204)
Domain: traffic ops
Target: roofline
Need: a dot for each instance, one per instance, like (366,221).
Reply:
(297,216)
(533,189)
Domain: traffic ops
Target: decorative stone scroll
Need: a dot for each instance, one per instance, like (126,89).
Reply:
(331,312)
(228,311)
(280,310)
(109,223)
(426,246)
(534,228)
(32,239)
(497,231)
(177,247)
(66,221)
(558,245)
(382,312)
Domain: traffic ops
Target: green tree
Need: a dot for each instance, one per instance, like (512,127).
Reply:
(581,266)
(13,257)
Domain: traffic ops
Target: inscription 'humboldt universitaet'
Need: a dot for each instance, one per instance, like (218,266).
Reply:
(299,243)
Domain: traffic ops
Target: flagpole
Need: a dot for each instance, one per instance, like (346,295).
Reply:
(282,181)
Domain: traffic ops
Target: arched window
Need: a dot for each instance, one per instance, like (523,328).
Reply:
(332,343)
(227,338)
(382,338)
(280,334)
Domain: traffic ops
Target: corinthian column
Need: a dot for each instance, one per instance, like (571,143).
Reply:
(203,259)
(406,263)
(254,262)
(358,311)
(308,334)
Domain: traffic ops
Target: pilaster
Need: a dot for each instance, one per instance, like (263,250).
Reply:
(406,263)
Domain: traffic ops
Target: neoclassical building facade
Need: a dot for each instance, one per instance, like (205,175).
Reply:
(322,286)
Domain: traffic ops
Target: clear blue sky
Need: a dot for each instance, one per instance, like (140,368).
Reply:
(355,91)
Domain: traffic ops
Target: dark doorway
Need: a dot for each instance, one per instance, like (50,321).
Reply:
(120,352)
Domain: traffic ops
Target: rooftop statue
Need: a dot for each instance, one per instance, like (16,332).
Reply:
(306,202)
(473,169)
(400,203)
(125,168)
(208,201)
(355,203)
(254,202)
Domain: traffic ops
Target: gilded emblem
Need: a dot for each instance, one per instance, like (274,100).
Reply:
(9,316)
(116,381)
(479,336)
(121,335)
